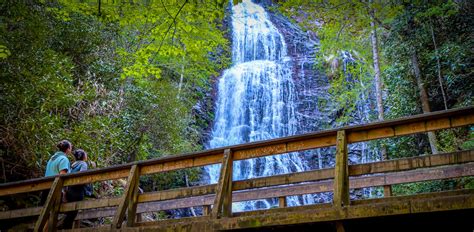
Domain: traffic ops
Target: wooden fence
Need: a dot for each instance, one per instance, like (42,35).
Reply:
(226,191)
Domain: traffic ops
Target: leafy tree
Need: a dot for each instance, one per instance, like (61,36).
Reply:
(125,73)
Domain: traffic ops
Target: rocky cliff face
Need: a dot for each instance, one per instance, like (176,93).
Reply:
(311,84)
(312,89)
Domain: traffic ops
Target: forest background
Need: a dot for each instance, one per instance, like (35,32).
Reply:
(133,80)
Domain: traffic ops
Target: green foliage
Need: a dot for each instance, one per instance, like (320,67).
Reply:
(4,52)
(403,28)
(432,186)
(119,83)
(344,27)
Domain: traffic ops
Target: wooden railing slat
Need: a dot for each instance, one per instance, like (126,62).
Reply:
(223,200)
(51,207)
(132,186)
(341,172)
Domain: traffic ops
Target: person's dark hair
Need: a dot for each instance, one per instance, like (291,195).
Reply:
(64,145)
(79,154)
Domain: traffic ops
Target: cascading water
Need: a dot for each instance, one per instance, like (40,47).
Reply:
(256,100)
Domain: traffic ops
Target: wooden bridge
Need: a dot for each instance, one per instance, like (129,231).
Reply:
(216,199)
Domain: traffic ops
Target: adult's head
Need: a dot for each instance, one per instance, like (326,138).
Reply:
(80,154)
(65,146)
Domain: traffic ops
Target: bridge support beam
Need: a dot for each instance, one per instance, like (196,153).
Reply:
(223,201)
(341,175)
(129,200)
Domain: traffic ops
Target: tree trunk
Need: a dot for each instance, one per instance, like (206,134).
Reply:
(438,63)
(378,87)
(425,105)
(98,8)
(377,78)
(181,78)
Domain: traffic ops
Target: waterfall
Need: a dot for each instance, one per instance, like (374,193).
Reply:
(256,100)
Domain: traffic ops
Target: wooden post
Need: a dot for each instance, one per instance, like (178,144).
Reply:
(341,175)
(206,209)
(223,201)
(132,206)
(282,202)
(387,190)
(51,207)
(129,200)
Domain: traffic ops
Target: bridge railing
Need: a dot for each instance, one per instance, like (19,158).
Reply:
(226,191)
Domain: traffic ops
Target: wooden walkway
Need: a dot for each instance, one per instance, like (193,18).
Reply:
(217,199)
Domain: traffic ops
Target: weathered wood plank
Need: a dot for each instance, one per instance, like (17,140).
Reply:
(462,119)
(413,176)
(223,201)
(282,202)
(40,184)
(96,213)
(17,213)
(260,151)
(412,163)
(133,200)
(49,210)
(341,172)
(422,203)
(312,143)
(181,164)
(94,177)
(177,193)
(132,185)
(206,210)
(176,203)
(438,124)
(320,174)
(90,204)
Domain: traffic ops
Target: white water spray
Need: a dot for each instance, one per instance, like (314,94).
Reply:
(256,100)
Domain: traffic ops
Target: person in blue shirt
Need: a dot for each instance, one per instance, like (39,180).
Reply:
(58,164)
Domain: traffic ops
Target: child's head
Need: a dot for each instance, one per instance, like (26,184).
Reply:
(80,154)
(64,146)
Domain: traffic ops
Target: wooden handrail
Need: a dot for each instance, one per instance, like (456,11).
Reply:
(133,203)
(385,129)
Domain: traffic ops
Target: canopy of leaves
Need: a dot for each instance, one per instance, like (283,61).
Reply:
(119,79)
